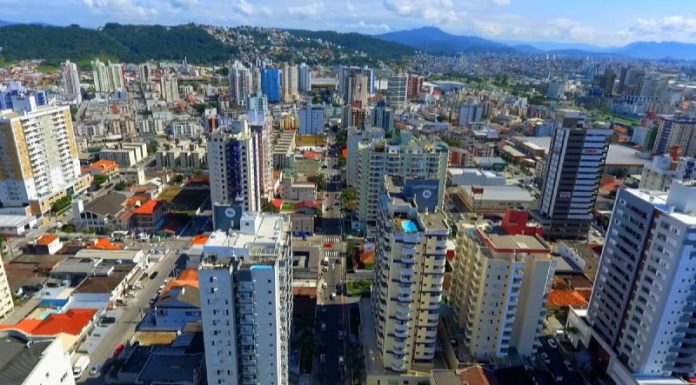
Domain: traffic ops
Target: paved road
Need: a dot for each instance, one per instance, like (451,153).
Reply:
(556,367)
(124,327)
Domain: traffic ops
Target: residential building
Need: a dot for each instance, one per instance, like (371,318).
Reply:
(500,285)
(304,78)
(146,217)
(99,213)
(101,77)
(396,91)
(409,271)
(261,125)
(246,301)
(382,117)
(475,177)
(116,80)
(71,79)
(38,158)
(354,83)
(125,154)
(644,136)
(556,90)
(183,156)
(676,130)
(415,84)
(33,360)
(641,309)
(6,302)
(234,166)
(493,199)
(18,98)
(290,93)
(169,87)
(355,136)
(144,72)
(409,158)
(664,169)
(270,84)
(470,114)
(240,83)
(572,176)
(186,128)
(311,120)
(178,304)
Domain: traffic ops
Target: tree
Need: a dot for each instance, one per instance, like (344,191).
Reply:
(342,138)
(320,181)
(100,180)
(120,186)
(349,196)
(152,146)
(61,204)
(268,207)
(178,178)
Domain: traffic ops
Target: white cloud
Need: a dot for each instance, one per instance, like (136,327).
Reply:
(128,9)
(243,7)
(429,10)
(363,25)
(682,28)
(568,28)
(184,4)
(310,10)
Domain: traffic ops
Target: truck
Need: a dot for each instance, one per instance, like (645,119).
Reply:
(80,366)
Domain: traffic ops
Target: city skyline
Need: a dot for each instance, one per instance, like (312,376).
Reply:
(519,20)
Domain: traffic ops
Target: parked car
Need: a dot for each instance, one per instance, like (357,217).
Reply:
(154,274)
(94,370)
(119,349)
(332,296)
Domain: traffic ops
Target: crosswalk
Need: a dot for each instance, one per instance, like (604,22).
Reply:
(331,253)
(332,239)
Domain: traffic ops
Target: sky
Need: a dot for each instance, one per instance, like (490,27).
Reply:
(598,22)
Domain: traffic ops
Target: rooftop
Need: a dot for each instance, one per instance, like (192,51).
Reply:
(109,204)
(71,322)
(171,368)
(501,193)
(515,243)
(17,358)
(147,208)
(101,284)
(47,239)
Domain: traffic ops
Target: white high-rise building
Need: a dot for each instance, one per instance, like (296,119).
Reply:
(71,79)
(470,113)
(240,81)
(6,303)
(255,80)
(311,120)
(116,79)
(290,85)
(246,302)
(658,175)
(261,124)
(234,166)
(304,75)
(397,86)
(500,284)
(144,72)
(39,160)
(409,272)
(573,172)
(169,89)
(100,74)
(643,301)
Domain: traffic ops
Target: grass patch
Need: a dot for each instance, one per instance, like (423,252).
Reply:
(287,207)
(358,288)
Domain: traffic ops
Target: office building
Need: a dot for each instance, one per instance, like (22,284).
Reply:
(676,130)
(39,158)
(246,301)
(382,117)
(658,175)
(470,114)
(396,90)
(234,166)
(270,84)
(71,79)
(169,89)
(641,311)
(28,360)
(408,158)
(311,120)
(290,93)
(409,271)
(573,172)
(499,291)
(304,78)
(240,83)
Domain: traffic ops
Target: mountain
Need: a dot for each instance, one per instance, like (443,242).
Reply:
(659,50)
(5,23)
(368,44)
(435,40)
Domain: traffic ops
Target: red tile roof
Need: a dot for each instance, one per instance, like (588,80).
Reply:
(312,155)
(147,208)
(104,244)
(47,239)
(200,239)
(476,375)
(71,322)
(563,298)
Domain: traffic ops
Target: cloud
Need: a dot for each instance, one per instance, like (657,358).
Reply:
(562,27)
(183,4)
(125,8)
(430,10)
(243,7)
(310,10)
(667,28)
(363,25)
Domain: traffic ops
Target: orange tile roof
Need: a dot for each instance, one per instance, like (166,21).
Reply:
(71,322)
(476,375)
(105,165)
(312,155)
(565,298)
(344,153)
(188,277)
(200,239)
(147,208)
(104,244)
(278,203)
(130,202)
(47,239)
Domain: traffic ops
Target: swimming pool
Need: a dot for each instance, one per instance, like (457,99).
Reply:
(409,226)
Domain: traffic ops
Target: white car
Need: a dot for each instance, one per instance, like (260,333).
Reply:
(340,360)
(323,285)
(552,343)
(332,296)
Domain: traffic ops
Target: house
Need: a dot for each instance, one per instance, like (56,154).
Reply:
(179,303)
(147,216)
(103,167)
(70,327)
(48,244)
(100,213)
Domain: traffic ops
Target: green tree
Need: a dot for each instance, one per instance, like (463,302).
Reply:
(100,180)
(349,196)
(61,204)
(152,146)
(268,207)
(342,138)
(320,182)
(120,186)
(178,179)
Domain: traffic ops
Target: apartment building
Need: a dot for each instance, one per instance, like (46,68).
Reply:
(38,158)
(409,271)
(664,169)
(6,303)
(246,301)
(240,83)
(499,291)
(125,154)
(33,360)
(396,91)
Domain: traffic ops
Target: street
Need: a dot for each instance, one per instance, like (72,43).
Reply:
(124,327)
(558,370)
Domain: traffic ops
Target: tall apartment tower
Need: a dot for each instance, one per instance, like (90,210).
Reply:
(409,272)
(382,116)
(676,130)
(170,89)
(642,305)
(311,120)
(100,74)
(409,159)
(71,79)
(290,93)
(246,301)
(6,303)
(261,124)
(397,90)
(240,83)
(573,172)
(39,160)
(233,161)
(270,84)
(255,80)
(118,82)
(304,77)
(499,291)
(470,113)
(665,168)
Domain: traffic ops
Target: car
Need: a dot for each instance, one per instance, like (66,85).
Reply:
(333,266)
(328,244)
(137,286)
(552,343)
(154,274)
(568,365)
(323,285)
(332,296)
(152,301)
(545,358)
(130,295)
(322,358)
(323,326)
(340,360)
(119,349)
(94,370)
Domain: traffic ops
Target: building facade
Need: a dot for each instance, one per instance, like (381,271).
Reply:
(240,83)
(311,120)
(396,90)
(71,80)
(270,84)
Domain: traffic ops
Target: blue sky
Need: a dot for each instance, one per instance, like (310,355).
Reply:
(601,22)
